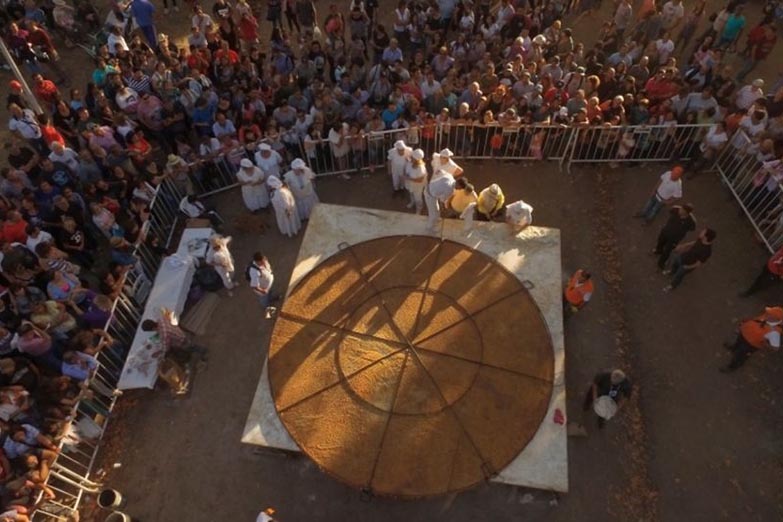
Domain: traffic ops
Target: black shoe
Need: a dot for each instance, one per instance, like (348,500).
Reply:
(725,369)
(728,346)
(744,294)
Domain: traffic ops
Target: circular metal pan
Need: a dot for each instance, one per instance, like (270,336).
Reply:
(410,366)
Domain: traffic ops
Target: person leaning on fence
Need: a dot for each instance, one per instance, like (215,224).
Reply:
(667,191)
(690,256)
(681,221)
(758,333)
(398,157)
(578,292)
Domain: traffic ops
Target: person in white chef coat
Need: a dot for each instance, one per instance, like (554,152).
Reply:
(398,157)
(285,207)
(269,161)
(443,164)
(253,183)
(416,180)
(518,216)
(438,191)
(301,181)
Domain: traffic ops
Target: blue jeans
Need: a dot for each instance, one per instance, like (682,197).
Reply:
(264,299)
(654,205)
(678,270)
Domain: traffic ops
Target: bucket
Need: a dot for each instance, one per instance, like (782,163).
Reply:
(118,517)
(110,498)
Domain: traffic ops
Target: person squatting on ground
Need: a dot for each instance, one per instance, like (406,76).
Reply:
(755,334)
(578,292)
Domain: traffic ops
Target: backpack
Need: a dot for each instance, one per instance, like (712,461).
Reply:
(251,266)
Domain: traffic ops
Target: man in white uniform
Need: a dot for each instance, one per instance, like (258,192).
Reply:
(398,159)
(260,277)
(416,179)
(438,191)
(300,180)
(443,164)
(518,216)
(268,160)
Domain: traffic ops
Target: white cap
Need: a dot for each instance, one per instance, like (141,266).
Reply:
(417,154)
(264,146)
(399,145)
(298,163)
(539,39)
(446,153)
(274,182)
(246,163)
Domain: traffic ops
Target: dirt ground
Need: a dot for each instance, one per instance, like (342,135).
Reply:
(706,447)
(695,444)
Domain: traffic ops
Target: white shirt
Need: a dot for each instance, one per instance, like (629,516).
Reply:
(671,14)
(69,158)
(747,96)
(27,125)
(439,169)
(43,237)
(116,43)
(669,188)
(519,213)
(271,165)
(397,160)
(442,188)
(263,277)
(714,140)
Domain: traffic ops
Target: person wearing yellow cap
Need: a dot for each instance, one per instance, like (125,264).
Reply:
(758,333)
(667,191)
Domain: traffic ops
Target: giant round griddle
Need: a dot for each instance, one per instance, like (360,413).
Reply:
(410,366)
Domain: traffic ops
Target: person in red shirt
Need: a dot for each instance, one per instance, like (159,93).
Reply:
(577,292)
(771,273)
(233,57)
(48,132)
(45,90)
(761,40)
(14,228)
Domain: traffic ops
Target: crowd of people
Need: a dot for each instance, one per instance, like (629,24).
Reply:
(322,90)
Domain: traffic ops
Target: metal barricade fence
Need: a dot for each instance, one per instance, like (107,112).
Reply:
(635,143)
(70,475)
(758,193)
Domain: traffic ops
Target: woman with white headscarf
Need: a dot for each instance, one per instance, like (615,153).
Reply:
(285,207)
(219,257)
(300,180)
(252,181)
(416,180)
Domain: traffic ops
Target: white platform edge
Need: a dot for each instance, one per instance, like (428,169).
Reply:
(533,255)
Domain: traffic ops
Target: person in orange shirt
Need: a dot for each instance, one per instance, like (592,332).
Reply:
(577,292)
(759,333)
(14,228)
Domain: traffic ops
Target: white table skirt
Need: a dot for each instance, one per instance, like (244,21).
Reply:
(170,290)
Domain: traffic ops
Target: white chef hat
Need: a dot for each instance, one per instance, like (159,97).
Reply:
(417,154)
(274,182)
(298,163)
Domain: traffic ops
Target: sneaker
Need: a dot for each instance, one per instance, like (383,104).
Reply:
(176,9)
(667,289)
(725,369)
(165,10)
(666,272)
(230,293)
(270,312)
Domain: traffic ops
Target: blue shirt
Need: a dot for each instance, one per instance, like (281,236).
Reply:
(143,11)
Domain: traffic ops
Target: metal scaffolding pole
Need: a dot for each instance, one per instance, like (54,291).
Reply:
(32,102)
